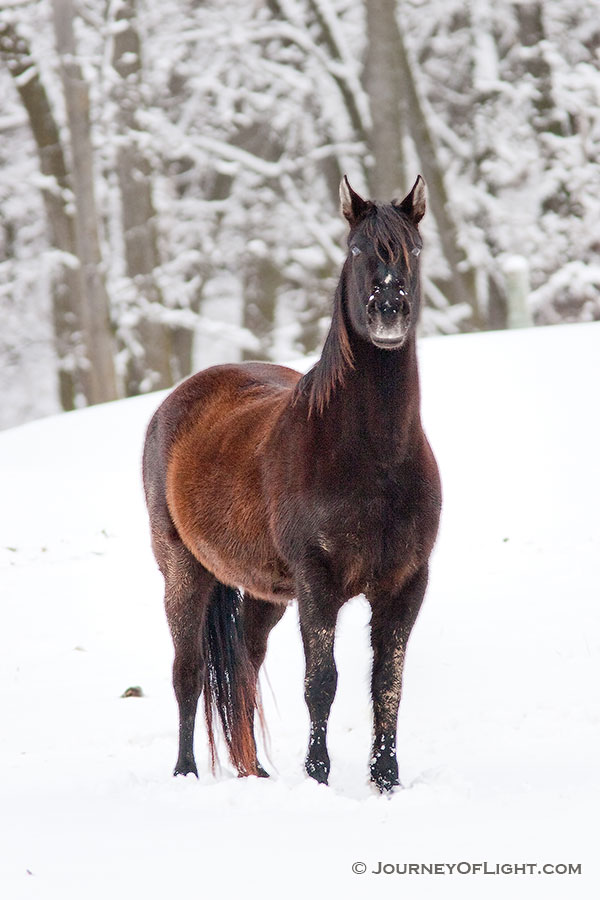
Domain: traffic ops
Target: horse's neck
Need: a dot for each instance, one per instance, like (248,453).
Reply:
(379,399)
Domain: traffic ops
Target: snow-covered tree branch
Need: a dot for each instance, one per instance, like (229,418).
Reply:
(178,168)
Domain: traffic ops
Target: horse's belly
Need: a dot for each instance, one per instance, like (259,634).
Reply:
(261,574)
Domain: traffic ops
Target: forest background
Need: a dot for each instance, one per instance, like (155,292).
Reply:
(169,175)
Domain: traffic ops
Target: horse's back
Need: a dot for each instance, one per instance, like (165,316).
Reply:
(214,389)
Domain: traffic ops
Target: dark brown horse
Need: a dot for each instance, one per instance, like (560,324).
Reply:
(317,488)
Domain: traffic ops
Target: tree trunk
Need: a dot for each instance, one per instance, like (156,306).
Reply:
(261,281)
(460,286)
(485,75)
(387,177)
(66,286)
(532,32)
(150,367)
(100,376)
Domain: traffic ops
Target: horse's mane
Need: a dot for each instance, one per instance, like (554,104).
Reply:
(388,230)
(336,358)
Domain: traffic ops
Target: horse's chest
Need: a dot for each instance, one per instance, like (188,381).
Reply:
(372,546)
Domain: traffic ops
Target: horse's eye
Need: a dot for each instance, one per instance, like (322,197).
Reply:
(415,251)
(355,250)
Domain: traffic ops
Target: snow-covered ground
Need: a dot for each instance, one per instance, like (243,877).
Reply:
(499,742)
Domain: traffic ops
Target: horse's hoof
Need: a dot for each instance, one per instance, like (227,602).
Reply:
(384,765)
(385,779)
(260,772)
(317,770)
(185,768)
(384,775)
(386,785)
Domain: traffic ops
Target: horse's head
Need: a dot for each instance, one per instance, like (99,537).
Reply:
(382,268)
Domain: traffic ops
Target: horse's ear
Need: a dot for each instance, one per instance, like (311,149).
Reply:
(414,204)
(353,207)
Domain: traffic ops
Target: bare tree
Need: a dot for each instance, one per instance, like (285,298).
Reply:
(459,287)
(261,282)
(533,53)
(66,283)
(396,109)
(149,365)
(388,177)
(100,377)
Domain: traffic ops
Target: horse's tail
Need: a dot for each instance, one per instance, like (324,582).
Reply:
(230,684)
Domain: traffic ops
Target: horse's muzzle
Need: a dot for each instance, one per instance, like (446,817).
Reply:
(388,317)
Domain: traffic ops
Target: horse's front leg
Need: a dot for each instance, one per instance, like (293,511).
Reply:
(318,613)
(392,620)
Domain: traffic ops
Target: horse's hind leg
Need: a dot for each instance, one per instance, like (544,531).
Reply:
(259,617)
(188,588)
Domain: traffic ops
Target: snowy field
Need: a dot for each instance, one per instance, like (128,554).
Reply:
(499,742)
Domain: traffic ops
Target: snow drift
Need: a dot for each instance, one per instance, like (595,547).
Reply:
(499,725)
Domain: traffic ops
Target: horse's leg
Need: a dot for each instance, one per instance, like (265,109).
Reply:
(188,588)
(259,617)
(318,614)
(391,624)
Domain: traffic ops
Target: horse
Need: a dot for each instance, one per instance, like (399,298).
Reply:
(264,485)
